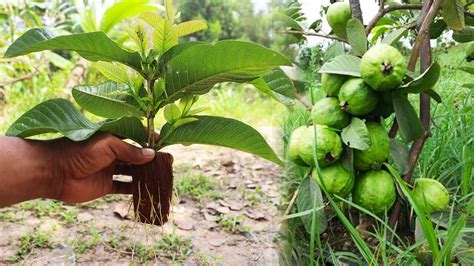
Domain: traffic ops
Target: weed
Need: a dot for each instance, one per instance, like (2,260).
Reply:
(233,224)
(171,246)
(80,246)
(30,241)
(9,215)
(197,186)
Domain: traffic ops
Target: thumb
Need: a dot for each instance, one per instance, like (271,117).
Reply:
(130,154)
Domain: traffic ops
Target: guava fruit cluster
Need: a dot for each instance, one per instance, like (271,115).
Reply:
(367,97)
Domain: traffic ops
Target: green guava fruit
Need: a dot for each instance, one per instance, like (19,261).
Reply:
(331,83)
(384,107)
(383,67)
(328,112)
(377,153)
(329,146)
(336,179)
(337,16)
(356,97)
(375,191)
(430,194)
(298,139)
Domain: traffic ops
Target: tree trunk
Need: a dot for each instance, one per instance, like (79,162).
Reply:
(356,10)
(153,189)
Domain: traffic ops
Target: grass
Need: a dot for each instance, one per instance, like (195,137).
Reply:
(233,224)
(28,243)
(197,186)
(447,157)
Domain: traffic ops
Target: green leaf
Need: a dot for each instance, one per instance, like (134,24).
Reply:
(437,28)
(468,85)
(125,9)
(199,67)
(347,159)
(93,46)
(164,35)
(469,70)
(395,36)
(172,113)
(435,96)
(408,121)
(108,99)
(189,27)
(423,82)
(343,65)
(169,10)
(114,72)
(333,50)
(175,51)
(278,85)
(309,197)
(60,116)
(453,14)
(224,132)
(467,35)
(356,36)
(356,135)
(399,153)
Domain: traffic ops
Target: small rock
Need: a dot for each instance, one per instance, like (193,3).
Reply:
(121,210)
(210,217)
(184,224)
(256,215)
(223,210)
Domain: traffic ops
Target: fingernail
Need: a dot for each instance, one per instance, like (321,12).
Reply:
(148,152)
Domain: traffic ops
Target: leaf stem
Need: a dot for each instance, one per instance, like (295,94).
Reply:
(151,114)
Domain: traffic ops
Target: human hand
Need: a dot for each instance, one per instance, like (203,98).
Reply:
(83,171)
(61,169)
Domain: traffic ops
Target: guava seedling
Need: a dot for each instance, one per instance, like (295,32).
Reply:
(357,98)
(337,16)
(336,179)
(155,73)
(383,67)
(377,153)
(328,112)
(430,194)
(375,191)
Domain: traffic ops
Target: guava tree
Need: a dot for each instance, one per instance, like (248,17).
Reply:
(365,84)
(159,73)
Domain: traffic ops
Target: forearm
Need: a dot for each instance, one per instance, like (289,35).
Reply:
(25,171)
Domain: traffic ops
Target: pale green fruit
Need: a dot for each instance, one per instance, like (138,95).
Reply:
(378,152)
(337,16)
(383,67)
(298,139)
(329,146)
(375,191)
(357,98)
(336,179)
(328,112)
(430,194)
(331,83)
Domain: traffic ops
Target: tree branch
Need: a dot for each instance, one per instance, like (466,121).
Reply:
(384,10)
(356,10)
(422,48)
(314,34)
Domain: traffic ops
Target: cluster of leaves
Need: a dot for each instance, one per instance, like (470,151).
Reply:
(158,72)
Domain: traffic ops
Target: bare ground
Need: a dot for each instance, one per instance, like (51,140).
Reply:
(225,213)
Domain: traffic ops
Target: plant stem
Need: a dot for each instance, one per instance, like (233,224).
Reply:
(314,34)
(356,10)
(421,48)
(151,115)
(382,11)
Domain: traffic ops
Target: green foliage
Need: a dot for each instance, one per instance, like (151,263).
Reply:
(169,72)
(220,131)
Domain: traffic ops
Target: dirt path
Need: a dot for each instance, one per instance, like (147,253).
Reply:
(226,213)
